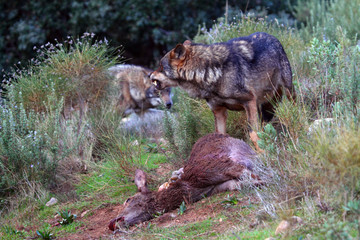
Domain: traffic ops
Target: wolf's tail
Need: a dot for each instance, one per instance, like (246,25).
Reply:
(267,109)
(286,75)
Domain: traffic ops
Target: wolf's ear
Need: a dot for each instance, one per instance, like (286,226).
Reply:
(179,52)
(140,181)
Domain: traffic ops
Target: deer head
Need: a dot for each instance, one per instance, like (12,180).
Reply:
(138,208)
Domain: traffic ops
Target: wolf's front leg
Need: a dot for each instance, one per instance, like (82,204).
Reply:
(252,116)
(220,114)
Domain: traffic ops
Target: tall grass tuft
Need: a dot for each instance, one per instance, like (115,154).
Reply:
(336,154)
(76,69)
(114,144)
(45,136)
(182,130)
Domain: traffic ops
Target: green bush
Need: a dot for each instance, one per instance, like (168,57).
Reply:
(333,80)
(43,139)
(75,69)
(321,19)
(29,143)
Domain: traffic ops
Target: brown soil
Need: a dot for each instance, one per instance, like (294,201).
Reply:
(96,221)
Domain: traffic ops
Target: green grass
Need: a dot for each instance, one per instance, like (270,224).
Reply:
(255,234)
(198,230)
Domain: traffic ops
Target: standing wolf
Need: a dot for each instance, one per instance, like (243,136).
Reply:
(243,73)
(132,91)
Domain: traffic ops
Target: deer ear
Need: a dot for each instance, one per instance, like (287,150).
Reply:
(179,52)
(187,42)
(140,181)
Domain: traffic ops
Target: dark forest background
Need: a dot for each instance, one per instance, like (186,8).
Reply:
(145,29)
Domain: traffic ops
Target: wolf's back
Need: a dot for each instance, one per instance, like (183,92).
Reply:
(268,48)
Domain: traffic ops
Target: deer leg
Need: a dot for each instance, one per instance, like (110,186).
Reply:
(230,185)
(233,185)
(252,116)
(220,114)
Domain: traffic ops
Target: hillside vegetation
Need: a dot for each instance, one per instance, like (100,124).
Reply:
(60,137)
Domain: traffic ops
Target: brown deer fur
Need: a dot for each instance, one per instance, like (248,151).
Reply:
(217,163)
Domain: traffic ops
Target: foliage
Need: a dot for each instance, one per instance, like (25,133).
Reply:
(67,217)
(183,130)
(182,208)
(10,230)
(114,144)
(334,229)
(336,157)
(320,19)
(43,141)
(153,148)
(333,81)
(45,234)
(29,144)
(353,207)
(229,201)
(74,70)
(267,138)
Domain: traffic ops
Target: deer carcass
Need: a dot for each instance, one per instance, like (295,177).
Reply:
(217,163)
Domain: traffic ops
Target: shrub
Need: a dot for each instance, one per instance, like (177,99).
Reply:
(114,144)
(333,79)
(43,141)
(75,69)
(321,19)
(336,162)
(29,144)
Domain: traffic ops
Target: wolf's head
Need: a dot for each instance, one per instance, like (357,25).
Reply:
(155,96)
(168,73)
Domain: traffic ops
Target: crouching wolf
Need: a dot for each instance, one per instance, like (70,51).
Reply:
(131,90)
(246,73)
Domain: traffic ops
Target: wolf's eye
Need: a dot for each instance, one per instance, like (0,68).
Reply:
(156,83)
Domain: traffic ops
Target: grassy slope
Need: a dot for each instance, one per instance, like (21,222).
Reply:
(209,218)
(314,178)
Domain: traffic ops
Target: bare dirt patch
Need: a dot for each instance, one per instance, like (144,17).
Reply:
(96,221)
